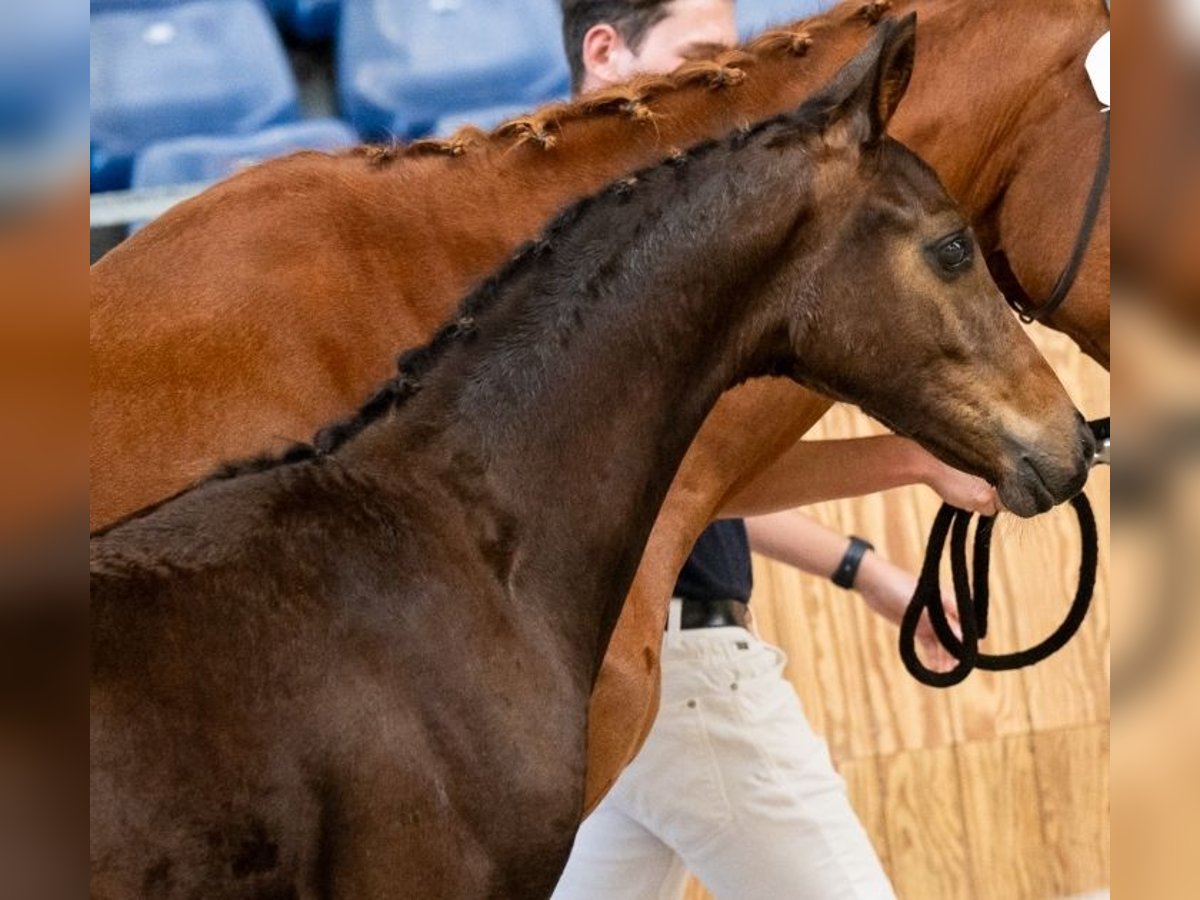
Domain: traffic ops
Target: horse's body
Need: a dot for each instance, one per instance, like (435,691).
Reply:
(364,669)
(317,269)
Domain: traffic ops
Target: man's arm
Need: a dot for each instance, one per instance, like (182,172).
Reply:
(852,468)
(795,539)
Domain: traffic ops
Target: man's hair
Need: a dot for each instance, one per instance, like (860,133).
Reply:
(631,18)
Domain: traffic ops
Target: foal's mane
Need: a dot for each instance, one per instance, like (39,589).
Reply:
(413,365)
(634,99)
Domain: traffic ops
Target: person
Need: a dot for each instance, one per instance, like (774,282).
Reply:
(732,783)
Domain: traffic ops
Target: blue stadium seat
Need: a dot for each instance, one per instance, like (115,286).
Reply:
(485,119)
(100,6)
(405,64)
(755,16)
(282,10)
(313,20)
(201,159)
(200,67)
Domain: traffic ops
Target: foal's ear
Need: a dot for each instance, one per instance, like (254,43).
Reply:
(893,71)
(862,97)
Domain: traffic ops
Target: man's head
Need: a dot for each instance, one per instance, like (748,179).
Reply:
(610,41)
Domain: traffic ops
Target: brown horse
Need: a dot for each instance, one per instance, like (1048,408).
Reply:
(317,268)
(364,668)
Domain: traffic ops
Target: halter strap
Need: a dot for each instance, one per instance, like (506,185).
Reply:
(1066,279)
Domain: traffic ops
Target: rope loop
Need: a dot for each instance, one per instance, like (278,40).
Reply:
(972,598)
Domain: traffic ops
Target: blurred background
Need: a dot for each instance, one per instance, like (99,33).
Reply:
(184,92)
(1156,497)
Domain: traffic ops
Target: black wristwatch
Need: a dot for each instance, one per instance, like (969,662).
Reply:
(847,570)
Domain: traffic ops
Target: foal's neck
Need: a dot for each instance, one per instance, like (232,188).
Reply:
(587,367)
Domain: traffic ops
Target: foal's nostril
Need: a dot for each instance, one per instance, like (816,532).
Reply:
(1072,484)
(1087,441)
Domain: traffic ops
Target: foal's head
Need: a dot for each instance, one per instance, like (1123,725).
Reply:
(930,347)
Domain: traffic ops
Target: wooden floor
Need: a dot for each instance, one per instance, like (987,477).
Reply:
(997,788)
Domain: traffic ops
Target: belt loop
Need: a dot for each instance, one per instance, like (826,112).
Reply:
(674,622)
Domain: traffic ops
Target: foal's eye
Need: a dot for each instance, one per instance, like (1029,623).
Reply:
(954,253)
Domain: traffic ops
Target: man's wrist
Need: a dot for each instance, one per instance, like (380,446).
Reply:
(846,573)
(922,465)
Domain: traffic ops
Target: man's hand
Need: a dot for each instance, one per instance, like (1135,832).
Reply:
(960,489)
(888,589)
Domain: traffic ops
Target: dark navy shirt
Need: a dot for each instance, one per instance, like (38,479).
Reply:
(719,567)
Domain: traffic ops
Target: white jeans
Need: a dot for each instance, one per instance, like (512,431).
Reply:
(732,784)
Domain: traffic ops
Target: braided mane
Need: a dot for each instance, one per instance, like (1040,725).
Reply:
(543,129)
(635,99)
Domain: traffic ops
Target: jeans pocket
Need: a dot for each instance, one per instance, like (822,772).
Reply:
(681,793)
(761,661)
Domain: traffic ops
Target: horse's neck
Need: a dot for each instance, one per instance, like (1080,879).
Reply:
(975,105)
(503,187)
(961,115)
(568,410)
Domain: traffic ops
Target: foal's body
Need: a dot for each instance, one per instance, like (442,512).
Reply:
(366,671)
(320,268)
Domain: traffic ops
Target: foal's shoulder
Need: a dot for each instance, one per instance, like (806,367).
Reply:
(258,518)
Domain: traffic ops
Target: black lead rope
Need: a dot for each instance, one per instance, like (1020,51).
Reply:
(971,594)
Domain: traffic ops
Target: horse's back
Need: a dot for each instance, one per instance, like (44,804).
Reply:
(204,323)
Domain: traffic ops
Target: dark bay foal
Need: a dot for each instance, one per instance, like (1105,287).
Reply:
(363,671)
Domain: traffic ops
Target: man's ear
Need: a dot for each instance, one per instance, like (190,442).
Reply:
(862,97)
(600,46)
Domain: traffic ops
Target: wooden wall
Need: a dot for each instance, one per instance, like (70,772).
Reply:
(996,788)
